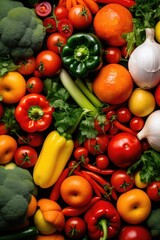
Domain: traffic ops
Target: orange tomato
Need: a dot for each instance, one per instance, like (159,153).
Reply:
(8,146)
(76,191)
(111,22)
(12,87)
(113,84)
(55,236)
(134,206)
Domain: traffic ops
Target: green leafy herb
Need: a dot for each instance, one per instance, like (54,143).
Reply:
(149,166)
(7,65)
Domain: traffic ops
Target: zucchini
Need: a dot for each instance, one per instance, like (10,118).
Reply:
(29,233)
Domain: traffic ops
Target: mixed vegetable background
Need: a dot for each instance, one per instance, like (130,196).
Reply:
(79,119)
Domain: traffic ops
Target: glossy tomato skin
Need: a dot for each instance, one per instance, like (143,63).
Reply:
(80,16)
(48,63)
(27,66)
(153,191)
(112,54)
(75,228)
(124,149)
(136,123)
(102,161)
(121,181)
(34,85)
(60,12)
(25,156)
(65,27)
(50,25)
(123,114)
(134,232)
(55,42)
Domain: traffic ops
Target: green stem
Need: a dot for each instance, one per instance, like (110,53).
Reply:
(95,101)
(103,224)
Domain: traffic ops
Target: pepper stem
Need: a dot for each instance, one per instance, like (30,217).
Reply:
(35,112)
(103,224)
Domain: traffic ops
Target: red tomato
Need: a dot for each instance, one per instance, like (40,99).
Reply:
(134,232)
(153,191)
(97,145)
(60,12)
(121,181)
(80,153)
(3,129)
(124,149)
(112,54)
(25,156)
(1,110)
(48,63)
(136,123)
(55,42)
(102,125)
(50,25)
(102,161)
(123,114)
(80,16)
(27,66)
(35,139)
(75,228)
(34,85)
(43,9)
(65,27)
(157,95)
(74,165)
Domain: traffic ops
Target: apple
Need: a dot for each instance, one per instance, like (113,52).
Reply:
(134,206)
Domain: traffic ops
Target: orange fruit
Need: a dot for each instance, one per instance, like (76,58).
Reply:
(32,206)
(113,84)
(111,21)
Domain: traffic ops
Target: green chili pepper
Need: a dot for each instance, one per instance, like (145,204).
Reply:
(82,54)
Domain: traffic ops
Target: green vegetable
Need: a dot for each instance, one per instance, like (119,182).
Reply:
(7,65)
(153,222)
(149,166)
(6,5)
(21,33)
(16,187)
(145,15)
(28,233)
(82,54)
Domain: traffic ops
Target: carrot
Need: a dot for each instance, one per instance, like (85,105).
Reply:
(68,4)
(92,5)
(61,2)
(81,2)
(74,3)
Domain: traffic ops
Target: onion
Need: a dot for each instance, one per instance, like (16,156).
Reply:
(151,130)
(144,62)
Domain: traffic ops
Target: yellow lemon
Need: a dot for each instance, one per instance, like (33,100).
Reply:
(141,102)
(157,32)
(138,181)
(42,225)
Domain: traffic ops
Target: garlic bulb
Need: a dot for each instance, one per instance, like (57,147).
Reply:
(144,62)
(151,130)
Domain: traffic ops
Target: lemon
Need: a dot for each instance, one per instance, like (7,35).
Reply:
(138,181)
(141,102)
(42,225)
(157,32)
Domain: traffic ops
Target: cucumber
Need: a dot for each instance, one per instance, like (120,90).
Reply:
(29,233)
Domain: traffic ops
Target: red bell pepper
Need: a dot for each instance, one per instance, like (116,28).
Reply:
(34,113)
(103,220)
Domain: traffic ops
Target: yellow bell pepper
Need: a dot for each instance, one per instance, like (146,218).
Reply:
(54,155)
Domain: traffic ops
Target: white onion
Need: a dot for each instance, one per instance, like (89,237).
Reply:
(144,62)
(151,130)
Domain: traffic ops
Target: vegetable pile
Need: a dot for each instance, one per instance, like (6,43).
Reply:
(79,119)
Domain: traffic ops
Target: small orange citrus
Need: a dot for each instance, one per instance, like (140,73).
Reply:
(113,84)
(111,21)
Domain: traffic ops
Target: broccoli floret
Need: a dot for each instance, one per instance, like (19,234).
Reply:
(21,33)
(16,188)
(6,5)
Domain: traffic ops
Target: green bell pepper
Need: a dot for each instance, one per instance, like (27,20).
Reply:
(82,54)
(153,222)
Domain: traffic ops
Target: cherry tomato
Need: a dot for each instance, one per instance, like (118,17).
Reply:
(157,95)
(25,156)
(65,27)
(136,123)
(75,228)
(134,232)
(80,153)
(124,149)
(102,161)
(153,191)
(102,125)
(80,16)
(74,165)
(97,145)
(1,110)
(112,54)
(55,42)
(60,12)
(43,9)
(113,129)
(27,66)
(50,25)
(121,181)
(35,139)
(34,85)
(111,115)
(123,114)
(48,63)
(3,129)
(145,145)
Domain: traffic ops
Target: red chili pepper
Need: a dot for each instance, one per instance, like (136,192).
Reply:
(55,192)
(123,128)
(93,168)
(125,3)
(73,211)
